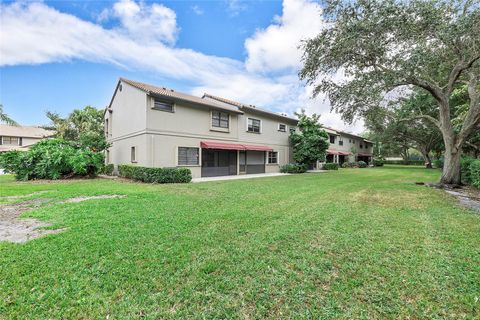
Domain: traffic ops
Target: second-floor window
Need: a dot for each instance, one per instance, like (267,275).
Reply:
(163,105)
(282,127)
(11,141)
(340,142)
(361,146)
(220,119)
(292,129)
(332,139)
(106,127)
(253,125)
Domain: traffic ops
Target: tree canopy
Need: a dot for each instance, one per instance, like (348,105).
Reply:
(311,141)
(381,46)
(83,126)
(5,118)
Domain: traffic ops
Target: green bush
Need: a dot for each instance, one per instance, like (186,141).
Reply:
(409,162)
(330,166)
(437,163)
(350,165)
(475,173)
(362,164)
(378,162)
(155,175)
(52,159)
(293,168)
(108,169)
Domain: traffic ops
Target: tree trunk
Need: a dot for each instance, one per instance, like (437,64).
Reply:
(428,161)
(451,167)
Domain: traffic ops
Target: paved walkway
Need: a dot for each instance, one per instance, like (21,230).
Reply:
(244,176)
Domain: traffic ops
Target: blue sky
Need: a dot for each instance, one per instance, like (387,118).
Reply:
(61,55)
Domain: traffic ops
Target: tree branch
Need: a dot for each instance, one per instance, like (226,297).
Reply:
(457,71)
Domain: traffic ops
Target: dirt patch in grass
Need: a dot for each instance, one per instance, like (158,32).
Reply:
(25,195)
(14,229)
(85,198)
(468,197)
(17,230)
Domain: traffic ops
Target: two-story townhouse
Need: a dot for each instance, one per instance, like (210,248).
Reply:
(158,127)
(21,137)
(347,147)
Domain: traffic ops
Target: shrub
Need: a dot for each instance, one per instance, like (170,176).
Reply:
(475,173)
(362,164)
(155,175)
(330,166)
(293,168)
(438,163)
(378,162)
(52,159)
(409,162)
(108,169)
(349,165)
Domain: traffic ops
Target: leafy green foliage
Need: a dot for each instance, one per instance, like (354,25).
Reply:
(468,168)
(310,143)
(475,173)
(108,169)
(83,126)
(438,163)
(330,166)
(362,164)
(5,118)
(155,175)
(378,162)
(293,168)
(52,159)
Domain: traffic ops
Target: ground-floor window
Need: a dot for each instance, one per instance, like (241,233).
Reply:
(188,156)
(133,154)
(272,157)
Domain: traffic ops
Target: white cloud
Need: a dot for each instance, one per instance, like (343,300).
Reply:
(34,33)
(197,10)
(154,22)
(235,7)
(276,47)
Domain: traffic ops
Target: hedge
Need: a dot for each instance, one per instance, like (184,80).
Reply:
(409,162)
(378,162)
(330,166)
(475,173)
(362,164)
(108,169)
(155,175)
(293,168)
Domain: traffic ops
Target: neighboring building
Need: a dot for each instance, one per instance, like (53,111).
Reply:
(347,147)
(21,137)
(159,127)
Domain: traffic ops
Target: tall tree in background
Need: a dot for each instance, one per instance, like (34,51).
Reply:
(84,126)
(310,143)
(381,45)
(5,118)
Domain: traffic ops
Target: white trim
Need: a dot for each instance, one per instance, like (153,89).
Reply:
(282,124)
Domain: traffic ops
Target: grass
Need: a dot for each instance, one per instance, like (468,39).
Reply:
(357,243)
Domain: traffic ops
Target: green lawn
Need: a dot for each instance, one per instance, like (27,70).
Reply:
(357,243)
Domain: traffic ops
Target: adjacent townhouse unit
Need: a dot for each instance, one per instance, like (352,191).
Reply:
(21,137)
(347,147)
(155,126)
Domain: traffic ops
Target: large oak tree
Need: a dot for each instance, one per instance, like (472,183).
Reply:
(381,45)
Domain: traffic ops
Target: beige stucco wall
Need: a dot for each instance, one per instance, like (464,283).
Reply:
(128,114)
